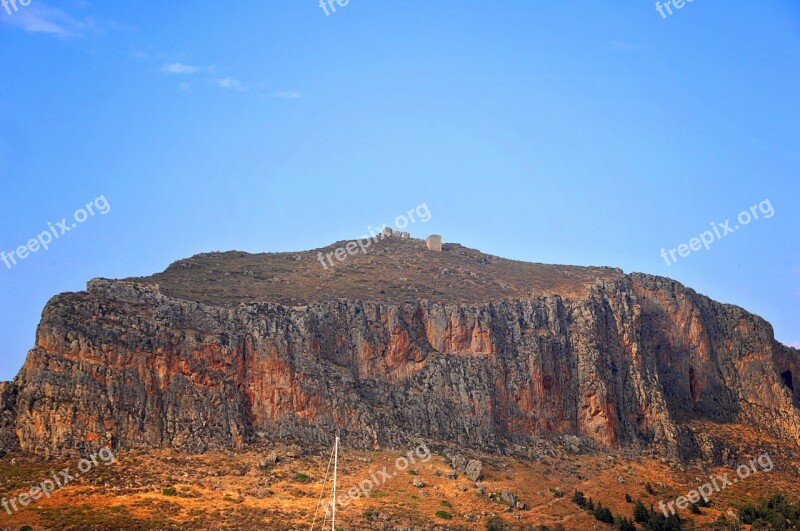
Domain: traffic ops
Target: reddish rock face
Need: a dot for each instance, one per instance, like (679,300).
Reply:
(630,362)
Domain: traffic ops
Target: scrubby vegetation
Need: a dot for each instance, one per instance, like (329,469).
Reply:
(603,514)
(231,491)
(774,513)
(653,520)
(600,513)
(579,499)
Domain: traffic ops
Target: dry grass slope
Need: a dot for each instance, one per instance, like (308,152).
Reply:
(233,490)
(392,271)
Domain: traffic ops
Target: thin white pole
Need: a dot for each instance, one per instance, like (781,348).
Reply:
(335,465)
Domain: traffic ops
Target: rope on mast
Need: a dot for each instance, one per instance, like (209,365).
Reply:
(321,492)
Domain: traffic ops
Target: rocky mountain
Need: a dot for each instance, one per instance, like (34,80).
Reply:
(395,345)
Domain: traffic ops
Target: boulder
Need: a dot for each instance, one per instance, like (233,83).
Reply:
(474,470)
(508,498)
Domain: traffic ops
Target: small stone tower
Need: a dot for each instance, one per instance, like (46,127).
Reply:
(434,243)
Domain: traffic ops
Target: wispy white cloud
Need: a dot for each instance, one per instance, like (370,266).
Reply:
(181,68)
(288,94)
(231,84)
(171,67)
(195,72)
(38,18)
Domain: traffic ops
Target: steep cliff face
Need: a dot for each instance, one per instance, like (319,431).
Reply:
(8,416)
(628,360)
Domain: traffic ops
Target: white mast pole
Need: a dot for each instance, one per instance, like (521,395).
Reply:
(335,465)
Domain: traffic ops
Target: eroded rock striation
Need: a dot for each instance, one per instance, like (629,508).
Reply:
(629,361)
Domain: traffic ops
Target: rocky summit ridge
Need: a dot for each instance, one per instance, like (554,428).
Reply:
(224,350)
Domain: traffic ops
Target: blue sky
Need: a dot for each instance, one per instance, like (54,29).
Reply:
(585,133)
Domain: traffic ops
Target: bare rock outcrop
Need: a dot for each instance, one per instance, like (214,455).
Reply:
(627,363)
(8,417)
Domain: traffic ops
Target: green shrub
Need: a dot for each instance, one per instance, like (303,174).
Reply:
(444,515)
(579,499)
(623,524)
(640,513)
(650,519)
(445,503)
(774,511)
(603,514)
(169,491)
